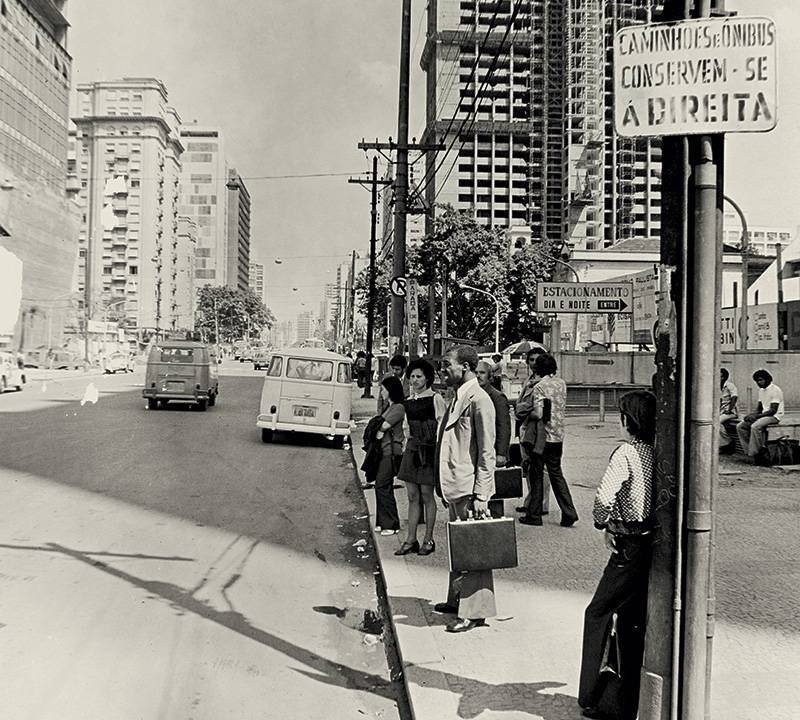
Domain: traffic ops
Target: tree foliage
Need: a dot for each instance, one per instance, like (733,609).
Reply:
(466,252)
(232,309)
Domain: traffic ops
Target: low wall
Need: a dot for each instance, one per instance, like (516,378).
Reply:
(630,368)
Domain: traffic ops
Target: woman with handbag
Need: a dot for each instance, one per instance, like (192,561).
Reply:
(424,409)
(391,436)
(614,623)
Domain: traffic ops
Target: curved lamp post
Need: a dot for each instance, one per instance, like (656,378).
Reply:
(745,268)
(496,313)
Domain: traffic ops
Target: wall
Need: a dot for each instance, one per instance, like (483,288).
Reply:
(783,366)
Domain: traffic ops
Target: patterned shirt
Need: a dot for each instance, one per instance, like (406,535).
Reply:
(623,502)
(553,389)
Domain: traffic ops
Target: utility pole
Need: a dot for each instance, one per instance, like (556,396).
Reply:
(373,239)
(89,257)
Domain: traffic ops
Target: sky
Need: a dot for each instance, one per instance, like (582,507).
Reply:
(294,85)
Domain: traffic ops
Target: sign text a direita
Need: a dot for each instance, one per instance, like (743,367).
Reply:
(742,107)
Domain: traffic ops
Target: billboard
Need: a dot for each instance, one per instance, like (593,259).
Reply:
(762,328)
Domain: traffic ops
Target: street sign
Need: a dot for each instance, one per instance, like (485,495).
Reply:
(398,286)
(584,297)
(691,77)
(412,316)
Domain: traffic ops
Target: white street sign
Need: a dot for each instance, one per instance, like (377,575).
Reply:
(584,297)
(397,286)
(712,75)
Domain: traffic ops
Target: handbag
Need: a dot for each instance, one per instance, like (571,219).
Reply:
(507,483)
(611,654)
(476,545)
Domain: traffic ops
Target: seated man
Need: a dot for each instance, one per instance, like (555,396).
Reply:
(752,430)
(727,410)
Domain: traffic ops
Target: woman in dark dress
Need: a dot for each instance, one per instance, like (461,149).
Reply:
(424,410)
(614,623)
(391,436)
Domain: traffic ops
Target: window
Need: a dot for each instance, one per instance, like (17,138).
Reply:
(318,370)
(344,373)
(178,355)
(133,270)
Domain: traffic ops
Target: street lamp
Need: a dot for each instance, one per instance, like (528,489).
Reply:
(496,313)
(745,249)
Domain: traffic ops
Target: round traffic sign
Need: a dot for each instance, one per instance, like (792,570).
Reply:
(398,286)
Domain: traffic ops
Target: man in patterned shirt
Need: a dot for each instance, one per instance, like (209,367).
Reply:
(614,623)
(554,389)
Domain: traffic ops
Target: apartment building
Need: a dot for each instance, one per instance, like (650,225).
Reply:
(256,281)
(37,222)
(125,160)
(762,239)
(527,126)
(204,195)
(183,300)
(238,232)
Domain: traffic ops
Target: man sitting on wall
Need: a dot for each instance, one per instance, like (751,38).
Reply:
(753,429)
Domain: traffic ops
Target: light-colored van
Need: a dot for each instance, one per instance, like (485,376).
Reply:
(183,371)
(307,390)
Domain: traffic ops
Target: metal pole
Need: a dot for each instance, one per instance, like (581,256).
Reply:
(373,239)
(577,279)
(89,258)
(702,426)
(745,250)
(401,178)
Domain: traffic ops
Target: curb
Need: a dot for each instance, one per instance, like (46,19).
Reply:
(361,477)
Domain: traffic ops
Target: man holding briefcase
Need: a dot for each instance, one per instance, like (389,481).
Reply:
(464,466)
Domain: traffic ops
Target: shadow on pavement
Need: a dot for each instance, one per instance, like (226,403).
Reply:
(477,696)
(181,599)
(416,612)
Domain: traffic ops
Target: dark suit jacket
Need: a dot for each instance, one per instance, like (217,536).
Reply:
(502,421)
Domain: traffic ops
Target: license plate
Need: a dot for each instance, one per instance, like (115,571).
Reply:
(174,385)
(304,411)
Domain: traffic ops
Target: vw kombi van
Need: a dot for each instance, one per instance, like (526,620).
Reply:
(183,371)
(307,390)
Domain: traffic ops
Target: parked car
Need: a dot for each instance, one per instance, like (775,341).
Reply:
(261,358)
(11,374)
(116,362)
(64,360)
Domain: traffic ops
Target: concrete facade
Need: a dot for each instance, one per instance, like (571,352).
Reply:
(256,280)
(238,232)
(126,164)
(37,222)
(204,196)
(531,142)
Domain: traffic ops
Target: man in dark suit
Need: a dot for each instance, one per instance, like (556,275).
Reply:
(502,412)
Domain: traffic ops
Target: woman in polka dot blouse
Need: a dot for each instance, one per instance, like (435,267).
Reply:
(614,623)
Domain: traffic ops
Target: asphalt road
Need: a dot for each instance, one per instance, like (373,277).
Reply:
(167,564)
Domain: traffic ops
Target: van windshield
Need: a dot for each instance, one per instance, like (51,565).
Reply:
(320,370)
(178,355)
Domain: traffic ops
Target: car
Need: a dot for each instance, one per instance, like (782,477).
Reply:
(116,362)
(261,358)
(11,374)
(181,371)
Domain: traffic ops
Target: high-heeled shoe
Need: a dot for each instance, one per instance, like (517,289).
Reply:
(427,547)
(407,548)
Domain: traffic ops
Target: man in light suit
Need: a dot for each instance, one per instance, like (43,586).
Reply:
(465,464)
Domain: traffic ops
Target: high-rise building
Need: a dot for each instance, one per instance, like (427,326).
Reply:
(238,235)
(126,158)
(257,280)
(37,222)
(204,198)
(184,297)
(520,93)
(306,326)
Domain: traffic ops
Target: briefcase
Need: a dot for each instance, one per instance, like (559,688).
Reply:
(482,544)
(507,483)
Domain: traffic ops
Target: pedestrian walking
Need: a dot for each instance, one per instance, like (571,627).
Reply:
(753,429)
(552,388)
(728,397)
(361,368)
(397,368)
(522,409)
(465,473)
(614,622)
(498,370)
(424,410)
(391,436)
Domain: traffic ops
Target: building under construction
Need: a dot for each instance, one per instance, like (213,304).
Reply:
(520,92)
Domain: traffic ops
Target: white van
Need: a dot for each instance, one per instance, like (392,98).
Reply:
(307,390)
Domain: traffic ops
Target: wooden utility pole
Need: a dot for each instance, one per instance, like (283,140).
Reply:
(373,240)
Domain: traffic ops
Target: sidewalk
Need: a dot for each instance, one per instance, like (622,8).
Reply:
(525,664)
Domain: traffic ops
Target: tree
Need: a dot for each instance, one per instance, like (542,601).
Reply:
(239,313)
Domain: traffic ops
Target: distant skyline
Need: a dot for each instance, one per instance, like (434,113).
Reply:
(295,84)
